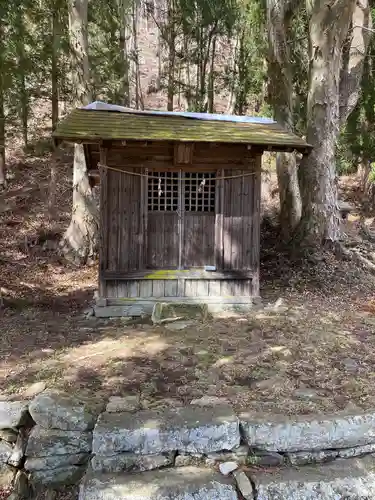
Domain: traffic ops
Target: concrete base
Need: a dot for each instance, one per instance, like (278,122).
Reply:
(142,307)
(145,308)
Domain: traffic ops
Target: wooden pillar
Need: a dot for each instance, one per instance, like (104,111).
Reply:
(219,221)
(103,230)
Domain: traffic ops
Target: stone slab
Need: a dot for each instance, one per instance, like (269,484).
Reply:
(189,429)
(12,414)
(45,442)
(356,451)
(352,479)
(311,457)
(183,483)
(62,476)
(57,410)
(130,462)
(308,432)
(55,461)
(164,311)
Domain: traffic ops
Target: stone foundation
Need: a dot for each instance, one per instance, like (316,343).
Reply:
(54,440)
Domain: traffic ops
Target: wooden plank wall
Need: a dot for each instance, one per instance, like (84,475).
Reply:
(199,239)
(162,236)
(124,236)
(237,221)
(229,238)
(169,288)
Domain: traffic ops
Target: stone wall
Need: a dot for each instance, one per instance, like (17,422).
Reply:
(55,440)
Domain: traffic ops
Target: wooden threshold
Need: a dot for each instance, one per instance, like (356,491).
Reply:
(175,274)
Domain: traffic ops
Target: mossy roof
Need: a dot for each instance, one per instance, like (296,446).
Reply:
(87,125)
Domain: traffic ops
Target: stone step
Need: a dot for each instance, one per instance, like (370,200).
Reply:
(351,479)
(308,432)
(185,483)
(191,429)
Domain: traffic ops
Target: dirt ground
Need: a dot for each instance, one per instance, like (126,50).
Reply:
(313,351)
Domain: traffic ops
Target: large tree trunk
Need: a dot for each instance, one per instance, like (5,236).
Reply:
(81,238)
(280,96)
(22,72)
(2,114)
(354,55)
(54,65)
(124,52)
(328,29)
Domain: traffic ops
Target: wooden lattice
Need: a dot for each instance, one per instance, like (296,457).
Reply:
(197,191)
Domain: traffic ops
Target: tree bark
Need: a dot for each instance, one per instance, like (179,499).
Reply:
(280,94)
(354,54)
(211,78)
(2,113)
(138,91)
(54,65)
(81,238)
(328,29)
(124,56)
(22,71)
(171,36)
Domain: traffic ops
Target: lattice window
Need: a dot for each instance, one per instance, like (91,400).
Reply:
(163,192)
(199,192)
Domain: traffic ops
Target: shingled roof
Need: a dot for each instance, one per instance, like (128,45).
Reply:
(100,121)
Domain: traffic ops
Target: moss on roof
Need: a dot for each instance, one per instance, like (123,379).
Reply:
(90,125)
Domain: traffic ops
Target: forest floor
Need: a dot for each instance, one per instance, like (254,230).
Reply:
(314,350)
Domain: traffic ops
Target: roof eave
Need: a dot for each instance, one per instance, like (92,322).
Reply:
(275,148)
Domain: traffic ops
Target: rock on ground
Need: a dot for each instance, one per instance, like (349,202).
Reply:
(308,432)
(188,459)
(265,458)
(209,401)
(12,414)
(57,410)
(5,452)
(8,435)
(7,475)
(187,483)
(130,462)
(118,404)
(190,429)
(244,484)
(34,389)
(227,467)
(238,455)
(19,449)
(46,442)
(21,487)
(352,479)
